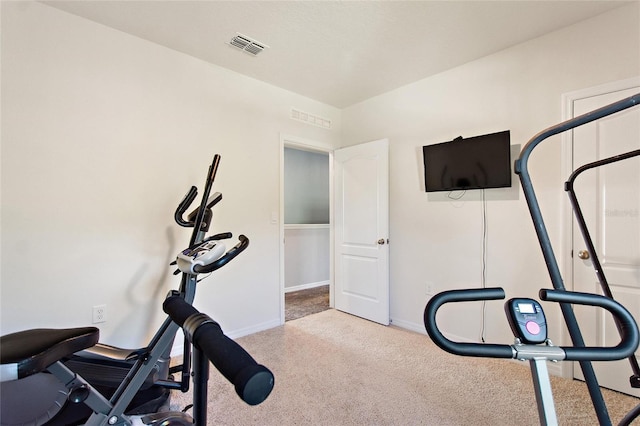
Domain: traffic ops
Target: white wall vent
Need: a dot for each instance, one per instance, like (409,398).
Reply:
(247,44)
(312,119)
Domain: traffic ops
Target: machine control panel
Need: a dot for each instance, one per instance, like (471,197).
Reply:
(202,255)
(527,320)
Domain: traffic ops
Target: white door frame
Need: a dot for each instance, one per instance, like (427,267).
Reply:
(289,141)
(568,100)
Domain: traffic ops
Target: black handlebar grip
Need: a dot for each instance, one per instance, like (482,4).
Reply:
(457,348)
(228,257)
(183,206)
(253,382)
(628,326)
(220,236)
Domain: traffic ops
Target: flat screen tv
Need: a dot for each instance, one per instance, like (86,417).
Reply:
(473,163)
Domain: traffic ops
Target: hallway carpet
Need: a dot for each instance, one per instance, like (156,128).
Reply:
(301,303)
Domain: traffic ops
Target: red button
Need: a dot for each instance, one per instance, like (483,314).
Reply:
(532,327)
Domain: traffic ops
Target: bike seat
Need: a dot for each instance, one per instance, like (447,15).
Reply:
(112,353)
(31,351)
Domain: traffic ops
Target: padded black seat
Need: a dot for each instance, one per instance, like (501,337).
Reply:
(31,351)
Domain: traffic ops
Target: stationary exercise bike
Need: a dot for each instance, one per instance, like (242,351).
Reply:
(65,377)
(528,323)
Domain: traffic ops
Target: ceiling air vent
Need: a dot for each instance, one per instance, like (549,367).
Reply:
(247,44)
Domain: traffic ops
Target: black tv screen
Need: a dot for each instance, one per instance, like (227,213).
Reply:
(472,163)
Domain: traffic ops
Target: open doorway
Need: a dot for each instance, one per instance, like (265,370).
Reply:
(306,266)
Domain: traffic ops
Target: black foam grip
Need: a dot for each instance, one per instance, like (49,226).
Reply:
(178,310)
(184,205)
(628,327)
(220,236)
(457,348)
(253,382)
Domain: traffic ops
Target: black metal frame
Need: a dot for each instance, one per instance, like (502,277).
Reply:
(165,335)
(521,168)
(569,187)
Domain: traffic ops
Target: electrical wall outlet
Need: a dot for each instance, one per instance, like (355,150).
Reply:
(99,314)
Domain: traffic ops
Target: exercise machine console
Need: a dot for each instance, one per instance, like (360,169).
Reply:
(527,320)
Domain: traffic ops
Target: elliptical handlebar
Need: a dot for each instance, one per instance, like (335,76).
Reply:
(253,382)
(183,206)
(626,347)
(226,258)
(628,328)
(457,348)
(220,236)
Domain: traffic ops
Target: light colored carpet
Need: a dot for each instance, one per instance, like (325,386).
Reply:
(331,368)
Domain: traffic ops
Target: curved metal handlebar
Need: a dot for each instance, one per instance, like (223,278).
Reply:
(628,327)
(626,347)
(183,206)
(464,349)
(219,236)
(226,258)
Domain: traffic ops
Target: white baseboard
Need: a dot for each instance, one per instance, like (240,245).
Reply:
(408,325)
(253,329)
(306,286)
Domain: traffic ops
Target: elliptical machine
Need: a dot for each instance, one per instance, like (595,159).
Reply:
(521,168)
(65,377)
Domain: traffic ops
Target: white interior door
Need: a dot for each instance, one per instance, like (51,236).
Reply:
(610,199)
(361,189)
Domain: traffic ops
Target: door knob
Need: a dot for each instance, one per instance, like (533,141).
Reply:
(381,241)
(583,254)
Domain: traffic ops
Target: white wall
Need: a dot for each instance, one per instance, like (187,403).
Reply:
(438,242)
(306,187)
(102,135)
(306,256)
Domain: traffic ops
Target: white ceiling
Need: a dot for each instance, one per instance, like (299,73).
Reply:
(338,52)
